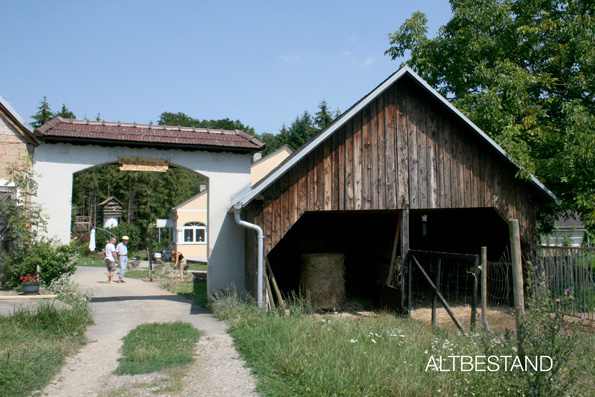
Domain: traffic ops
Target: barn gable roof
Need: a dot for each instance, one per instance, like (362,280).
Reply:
(248,194)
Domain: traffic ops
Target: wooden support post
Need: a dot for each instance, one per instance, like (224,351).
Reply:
(409,284)
(484,287)
(269,293)
(435,300)
(442,300)
(517,273)
(474,297)
(406,264)
(274,284)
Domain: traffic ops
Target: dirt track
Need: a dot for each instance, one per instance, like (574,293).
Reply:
(118,308)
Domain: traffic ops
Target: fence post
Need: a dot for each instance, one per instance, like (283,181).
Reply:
(435,300)
(474,297)
(484,287)
(517,273)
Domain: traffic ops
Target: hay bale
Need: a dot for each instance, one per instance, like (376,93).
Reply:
(322,279)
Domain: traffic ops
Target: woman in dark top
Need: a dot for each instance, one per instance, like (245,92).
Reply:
(179,261)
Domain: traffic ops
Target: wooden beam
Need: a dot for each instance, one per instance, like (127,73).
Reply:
(439,295)
(27,297)
(393,258)
(274,284)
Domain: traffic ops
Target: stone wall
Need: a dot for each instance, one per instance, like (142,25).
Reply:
(12,145)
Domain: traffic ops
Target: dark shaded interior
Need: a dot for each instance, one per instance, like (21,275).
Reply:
(366,238)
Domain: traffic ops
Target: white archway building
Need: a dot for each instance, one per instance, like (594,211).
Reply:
(224,157)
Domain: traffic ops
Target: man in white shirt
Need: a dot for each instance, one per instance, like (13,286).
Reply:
(122,251)
(111,258)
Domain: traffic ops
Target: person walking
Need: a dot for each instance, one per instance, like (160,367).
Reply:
(111,259)
(122,251)
(179,261)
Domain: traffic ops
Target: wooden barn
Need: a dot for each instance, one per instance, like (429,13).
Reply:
(401,170)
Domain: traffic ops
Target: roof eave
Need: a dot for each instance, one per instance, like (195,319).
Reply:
(25,127)
(183,146)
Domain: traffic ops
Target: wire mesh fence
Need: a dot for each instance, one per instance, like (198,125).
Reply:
(568,271)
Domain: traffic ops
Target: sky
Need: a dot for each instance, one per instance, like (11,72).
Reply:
(260,62)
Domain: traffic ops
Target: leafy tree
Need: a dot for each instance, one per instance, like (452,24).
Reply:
(324,117)
(43,115)
(65,113)
(147,196)
(524,72)
(302,129)
(21,220)
(184,120)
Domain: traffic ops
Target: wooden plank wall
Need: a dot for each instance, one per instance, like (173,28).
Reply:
(403,150)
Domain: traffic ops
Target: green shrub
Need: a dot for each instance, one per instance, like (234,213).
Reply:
(54,260)
(123,229)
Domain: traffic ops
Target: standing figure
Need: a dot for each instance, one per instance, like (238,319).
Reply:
(122,251)
(179,261)
(111,258)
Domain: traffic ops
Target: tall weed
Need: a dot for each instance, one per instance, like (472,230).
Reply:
(294,352)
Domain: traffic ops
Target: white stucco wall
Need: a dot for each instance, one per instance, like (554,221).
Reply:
(227,174)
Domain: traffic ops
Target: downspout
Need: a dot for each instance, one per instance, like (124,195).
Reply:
(237,209)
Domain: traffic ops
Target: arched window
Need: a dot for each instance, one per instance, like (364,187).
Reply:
(194,232)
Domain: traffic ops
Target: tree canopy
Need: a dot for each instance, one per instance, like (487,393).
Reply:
(184,120)
(301,129)
(45,114)
(524,72)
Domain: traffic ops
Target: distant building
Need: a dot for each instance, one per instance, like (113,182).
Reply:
(190,231)
(112,211)
(568,232)
(190,226)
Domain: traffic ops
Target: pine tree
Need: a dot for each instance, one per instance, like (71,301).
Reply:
(43,115)
(65,113)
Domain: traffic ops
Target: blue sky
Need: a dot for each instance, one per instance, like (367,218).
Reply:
(261,62)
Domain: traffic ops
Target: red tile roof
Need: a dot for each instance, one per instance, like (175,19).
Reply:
(116,133)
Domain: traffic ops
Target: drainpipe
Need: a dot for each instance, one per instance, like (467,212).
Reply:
(260,254)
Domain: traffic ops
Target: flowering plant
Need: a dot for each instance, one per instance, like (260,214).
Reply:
(30,278)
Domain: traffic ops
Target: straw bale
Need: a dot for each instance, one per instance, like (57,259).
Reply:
(323,279)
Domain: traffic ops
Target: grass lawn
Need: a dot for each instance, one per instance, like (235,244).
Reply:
(157,346)
(195,291)
(298,353)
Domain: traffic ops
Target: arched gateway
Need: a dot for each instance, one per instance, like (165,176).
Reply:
(224,157)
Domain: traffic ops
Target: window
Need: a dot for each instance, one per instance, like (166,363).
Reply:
(7,201)
(193,232)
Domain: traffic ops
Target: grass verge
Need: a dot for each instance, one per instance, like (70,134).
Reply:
(34,343)
(300,353)
(157,346)
(195,291)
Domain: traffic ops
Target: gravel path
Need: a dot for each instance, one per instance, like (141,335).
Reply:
(119,308)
